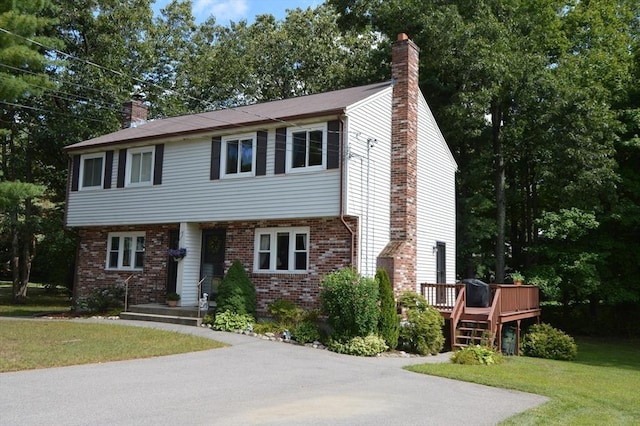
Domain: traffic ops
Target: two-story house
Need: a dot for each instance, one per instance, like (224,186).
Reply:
(294,189)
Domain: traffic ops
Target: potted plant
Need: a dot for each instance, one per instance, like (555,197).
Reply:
(517,277)
(178,253)
(172,299)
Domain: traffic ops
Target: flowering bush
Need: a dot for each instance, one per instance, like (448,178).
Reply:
(180,252)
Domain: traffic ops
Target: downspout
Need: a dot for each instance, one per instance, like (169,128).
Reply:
(343,159)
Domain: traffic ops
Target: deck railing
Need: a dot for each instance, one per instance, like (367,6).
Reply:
(441,296)
(516,298)
(513,298)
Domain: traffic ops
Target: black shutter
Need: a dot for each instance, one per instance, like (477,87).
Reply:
(122,167)
(281,150)
(108,169)
(75,173)
(216,145)
(334,135)
(157,166)
(261,153)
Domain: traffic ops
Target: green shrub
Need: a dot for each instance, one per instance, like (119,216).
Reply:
(236,292)
(388,322)
(102,300)
(285,312)
(231,321)
(350,303)
(306,332)
(361,346)
(545,341)
(477,355)
(421,333)
(267,327)
(208,319)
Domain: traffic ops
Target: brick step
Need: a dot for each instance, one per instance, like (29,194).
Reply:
(172,319)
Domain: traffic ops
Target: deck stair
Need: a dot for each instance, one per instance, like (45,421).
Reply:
(162,313)
(471,332)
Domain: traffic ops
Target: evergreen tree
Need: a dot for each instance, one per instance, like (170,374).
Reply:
(236,292)
(388,326)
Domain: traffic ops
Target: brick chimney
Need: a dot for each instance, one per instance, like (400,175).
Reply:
(400,255)
(134,113)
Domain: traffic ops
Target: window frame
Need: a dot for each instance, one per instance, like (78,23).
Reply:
(273,234)
(223,155)
(128,173)
(134,235)
(91,156)
(322,127)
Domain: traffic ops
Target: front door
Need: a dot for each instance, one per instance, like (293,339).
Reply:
(212,265)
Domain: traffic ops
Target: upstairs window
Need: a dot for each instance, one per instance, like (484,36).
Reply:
(140,166)
(91,171)
(282,250)
(238,157)
(125,250)
(308,149)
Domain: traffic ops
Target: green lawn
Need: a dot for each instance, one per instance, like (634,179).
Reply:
(39,300)
(29,344)
(599,388)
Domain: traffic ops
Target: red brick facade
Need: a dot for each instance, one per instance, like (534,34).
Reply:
(399,257)
(329,249)
(146,286)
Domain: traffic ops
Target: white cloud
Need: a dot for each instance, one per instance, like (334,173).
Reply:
(223,10)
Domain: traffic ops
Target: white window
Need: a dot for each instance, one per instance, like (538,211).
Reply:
(307,147)
(239,156)
(281,250)
(140,166)
(91,171)
(125,250)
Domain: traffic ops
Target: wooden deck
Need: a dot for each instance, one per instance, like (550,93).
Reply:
(472,325)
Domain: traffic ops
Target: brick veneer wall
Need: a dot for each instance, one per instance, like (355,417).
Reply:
(146,286)
(329,249)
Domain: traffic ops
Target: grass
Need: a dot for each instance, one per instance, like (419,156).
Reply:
(599,387)
(39,300)
(29,344)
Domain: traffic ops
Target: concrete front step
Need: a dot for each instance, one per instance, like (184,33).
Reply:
(172,319)
(162,309)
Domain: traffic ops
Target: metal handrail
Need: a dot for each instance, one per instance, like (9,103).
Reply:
(199,292)
(126,292)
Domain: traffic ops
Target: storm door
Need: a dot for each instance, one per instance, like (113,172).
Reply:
(212,264)
(441,272)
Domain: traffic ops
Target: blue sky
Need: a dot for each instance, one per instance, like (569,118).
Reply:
(236,10)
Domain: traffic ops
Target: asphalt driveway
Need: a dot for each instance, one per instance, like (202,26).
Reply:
(252,382)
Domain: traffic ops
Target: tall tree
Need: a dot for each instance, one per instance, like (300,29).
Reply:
(24,70)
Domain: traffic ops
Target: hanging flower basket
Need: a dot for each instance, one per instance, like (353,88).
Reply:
(177,254)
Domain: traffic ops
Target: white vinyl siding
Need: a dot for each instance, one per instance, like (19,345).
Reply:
(188,195)
(189,266)
(436,199)
(368,177)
